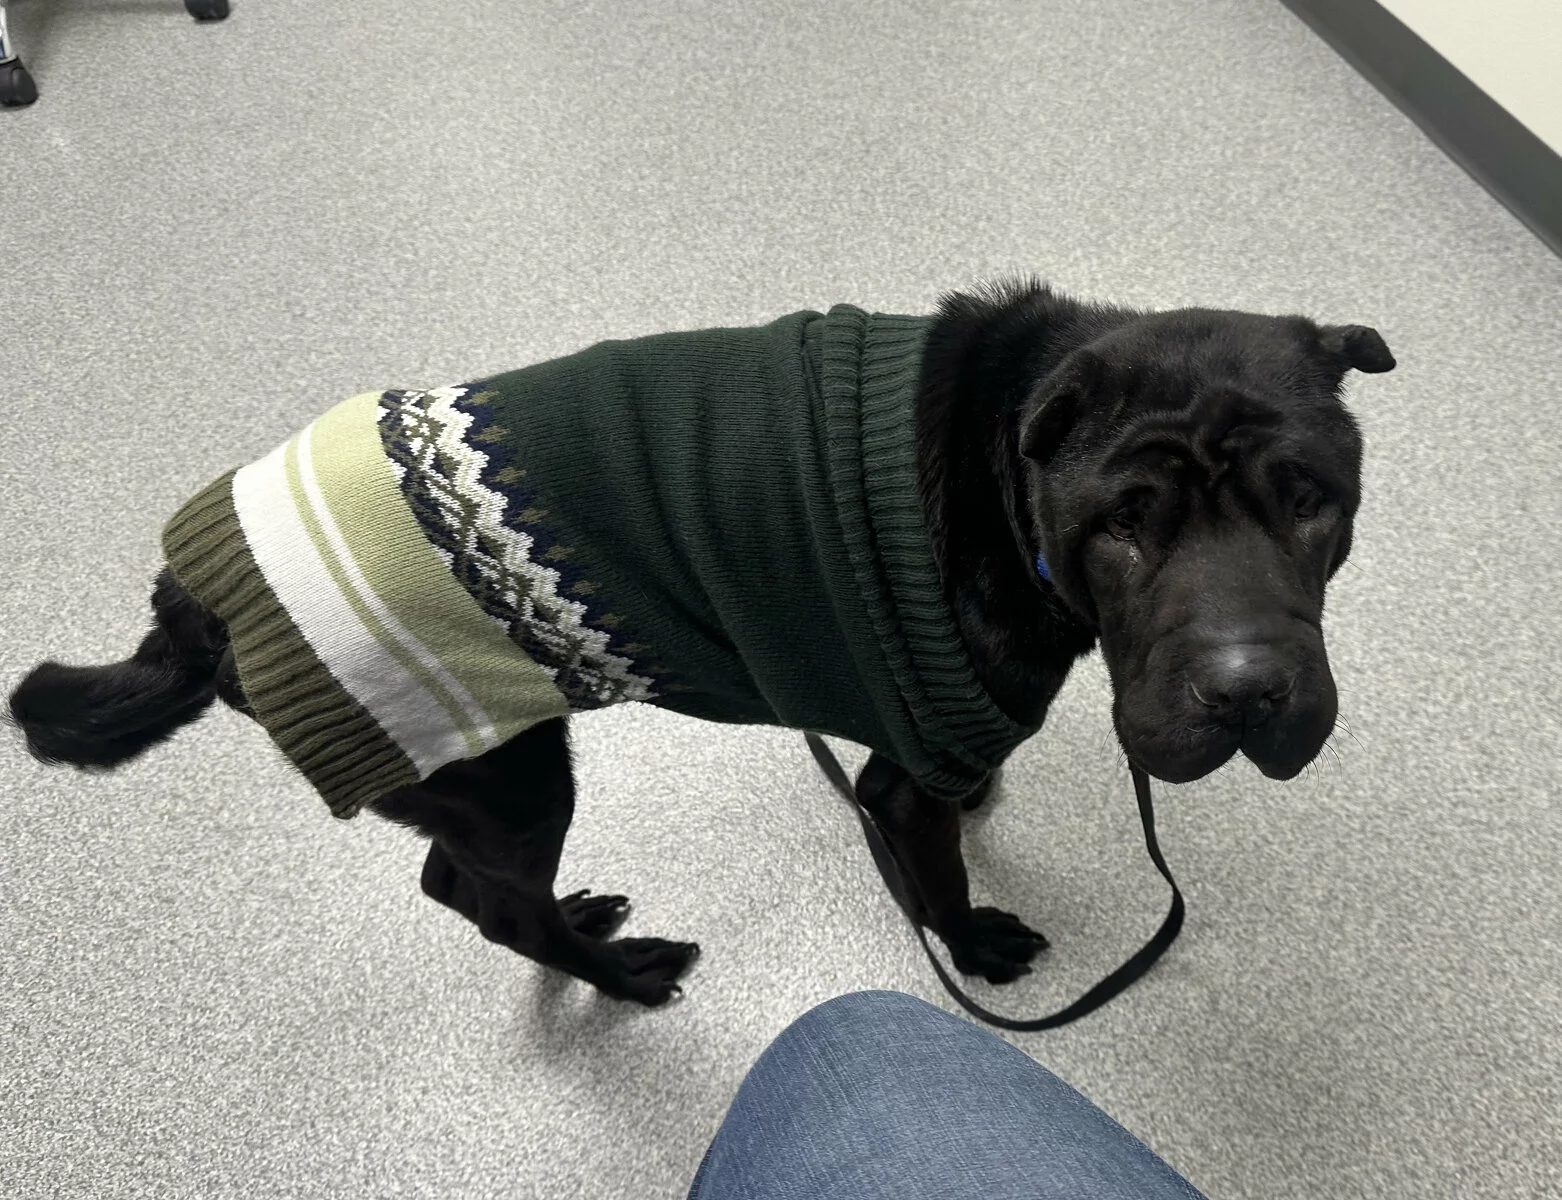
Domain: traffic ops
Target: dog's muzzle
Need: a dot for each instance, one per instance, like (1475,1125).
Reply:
(1196,705)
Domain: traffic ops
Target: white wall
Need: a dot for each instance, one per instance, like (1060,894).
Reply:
(1510,49)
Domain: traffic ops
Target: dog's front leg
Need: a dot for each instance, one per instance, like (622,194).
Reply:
(928,876)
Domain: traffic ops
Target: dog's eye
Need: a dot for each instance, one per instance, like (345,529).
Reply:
(1122,525)
(1309,499)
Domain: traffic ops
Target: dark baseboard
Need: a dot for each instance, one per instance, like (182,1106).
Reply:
(1474,130)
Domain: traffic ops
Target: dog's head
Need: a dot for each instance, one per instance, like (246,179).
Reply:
(1194,480)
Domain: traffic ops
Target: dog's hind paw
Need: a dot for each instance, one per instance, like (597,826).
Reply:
(594,916)
(995,945)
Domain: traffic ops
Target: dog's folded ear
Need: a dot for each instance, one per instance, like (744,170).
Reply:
(1055,406)
(1048,425)
(1358,345)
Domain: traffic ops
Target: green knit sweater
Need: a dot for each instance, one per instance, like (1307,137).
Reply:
(725,523)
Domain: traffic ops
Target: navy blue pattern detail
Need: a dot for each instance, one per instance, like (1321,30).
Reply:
(463,491)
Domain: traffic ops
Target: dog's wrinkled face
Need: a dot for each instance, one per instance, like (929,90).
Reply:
(1195,481)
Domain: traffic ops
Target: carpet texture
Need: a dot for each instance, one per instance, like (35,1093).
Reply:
(211,233)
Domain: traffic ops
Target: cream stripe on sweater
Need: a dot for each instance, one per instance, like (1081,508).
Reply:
(375,602)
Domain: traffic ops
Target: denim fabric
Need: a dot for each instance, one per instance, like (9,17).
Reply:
(878,1094)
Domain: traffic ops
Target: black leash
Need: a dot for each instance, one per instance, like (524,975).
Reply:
(911,903)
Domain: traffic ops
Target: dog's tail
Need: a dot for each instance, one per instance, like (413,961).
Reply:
(100,717)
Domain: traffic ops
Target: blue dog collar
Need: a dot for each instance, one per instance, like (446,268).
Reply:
(1041,568)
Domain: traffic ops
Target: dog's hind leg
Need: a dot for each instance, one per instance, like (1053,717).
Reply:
(978,795)
(923,833)
(497,823)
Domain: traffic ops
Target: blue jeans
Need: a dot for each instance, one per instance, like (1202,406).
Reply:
(878,1094)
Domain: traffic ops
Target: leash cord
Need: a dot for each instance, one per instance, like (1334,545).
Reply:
(910,903)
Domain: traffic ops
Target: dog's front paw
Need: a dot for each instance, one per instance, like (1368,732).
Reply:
(593,916)
(995,945)
(649,969)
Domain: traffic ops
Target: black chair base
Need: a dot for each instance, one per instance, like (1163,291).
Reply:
(16,85)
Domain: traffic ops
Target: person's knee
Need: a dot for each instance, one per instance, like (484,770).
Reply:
(870,1030)
(860,1022)
(879,1051)
(870,1009)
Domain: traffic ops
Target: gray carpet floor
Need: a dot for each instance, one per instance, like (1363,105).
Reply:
(208,988)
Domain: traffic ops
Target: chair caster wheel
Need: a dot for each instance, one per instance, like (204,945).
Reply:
(16,85)
(207,10)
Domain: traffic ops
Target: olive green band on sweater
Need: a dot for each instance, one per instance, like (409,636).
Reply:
(341,578)
(321,729)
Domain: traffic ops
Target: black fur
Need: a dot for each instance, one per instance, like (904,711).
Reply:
(497,826)
(1191,478)
(985,354)
(101,717)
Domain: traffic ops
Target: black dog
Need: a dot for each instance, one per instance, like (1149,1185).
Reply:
(1178,486)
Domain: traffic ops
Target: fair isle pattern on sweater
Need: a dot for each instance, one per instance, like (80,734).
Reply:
(495,544)
(330,533)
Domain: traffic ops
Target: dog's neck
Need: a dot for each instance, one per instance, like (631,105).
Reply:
(978,372)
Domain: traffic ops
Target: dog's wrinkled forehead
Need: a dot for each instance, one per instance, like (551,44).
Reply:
(1210,385)
(1216,426)
(1190,352)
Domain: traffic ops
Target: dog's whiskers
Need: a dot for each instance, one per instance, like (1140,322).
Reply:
(1342,725)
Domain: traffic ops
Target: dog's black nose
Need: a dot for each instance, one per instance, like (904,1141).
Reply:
(1242,684)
